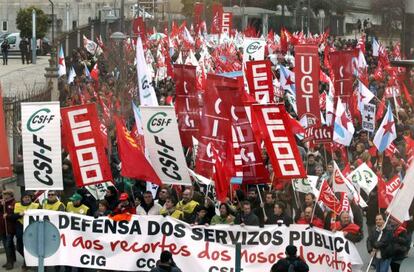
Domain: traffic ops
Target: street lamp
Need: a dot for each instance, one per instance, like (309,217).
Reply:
(118,38)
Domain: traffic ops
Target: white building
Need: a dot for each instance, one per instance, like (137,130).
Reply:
(69,14)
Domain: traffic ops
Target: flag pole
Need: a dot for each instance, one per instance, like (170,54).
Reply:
(261,202)
(379,238)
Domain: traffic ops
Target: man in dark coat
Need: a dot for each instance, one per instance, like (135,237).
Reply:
(246,216)
(24,48)
(166,263)
(291,262)
(8,227)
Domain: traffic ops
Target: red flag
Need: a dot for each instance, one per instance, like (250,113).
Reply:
(387,190)
(221,179)
(407,94)
(295,126)
(131,156)
(81,128)
(198,11)
(186,103)
(95,72)
(329,199)
(279,140)
(5,168)
(259,78)
(227,22)
(343,73)
(307,83)
(217,18)
(215,125)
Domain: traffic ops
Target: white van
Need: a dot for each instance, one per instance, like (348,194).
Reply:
(14,41)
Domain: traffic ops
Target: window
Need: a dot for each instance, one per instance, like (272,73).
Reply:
(4,26)
(11,39)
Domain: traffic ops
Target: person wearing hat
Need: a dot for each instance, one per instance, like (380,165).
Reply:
(52,202)
(76,206)
(291,262)
(20,209)
(166,263)
(8,227)
(124,206)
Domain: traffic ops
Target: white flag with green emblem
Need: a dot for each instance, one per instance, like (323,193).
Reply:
(306,185)
(147,95)
(364,177)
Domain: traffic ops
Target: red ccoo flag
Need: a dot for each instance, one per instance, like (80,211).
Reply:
(131,156)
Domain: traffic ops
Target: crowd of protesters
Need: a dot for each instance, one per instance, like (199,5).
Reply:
(196,205)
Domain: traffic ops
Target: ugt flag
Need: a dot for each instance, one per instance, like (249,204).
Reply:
(386,132)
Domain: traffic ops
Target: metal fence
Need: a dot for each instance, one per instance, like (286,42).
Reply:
(12,111)
(74,39)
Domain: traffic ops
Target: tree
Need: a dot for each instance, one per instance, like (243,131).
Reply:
(24,22)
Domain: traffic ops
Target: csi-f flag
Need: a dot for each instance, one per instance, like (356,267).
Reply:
(386,132)
(343,127)
(147,95)
(42,156)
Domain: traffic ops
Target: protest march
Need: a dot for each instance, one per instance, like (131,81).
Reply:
(202,146)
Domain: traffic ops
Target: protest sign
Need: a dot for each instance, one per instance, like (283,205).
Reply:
(368,117)
(136,244)
(42,151)
(164,146)
(307,83)
(81,128)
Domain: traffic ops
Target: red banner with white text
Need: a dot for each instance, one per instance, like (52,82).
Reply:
(307,83)
(343,76)
(5,168)
(198,12)
(81,129)
(227,22)
(259,79)
(186,103)
(245,153)
(215,126)
(279,141)
(217,18)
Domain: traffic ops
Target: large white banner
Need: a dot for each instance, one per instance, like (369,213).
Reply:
(162,140)
(137,244)
(42,150)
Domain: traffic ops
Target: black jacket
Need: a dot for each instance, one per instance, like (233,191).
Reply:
(384,244)
(283,265)
(248,219)
(279,219)
(165,268)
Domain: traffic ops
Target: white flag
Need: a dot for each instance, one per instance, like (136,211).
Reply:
(343,127)
(147,95)
(402,201)
(72,75)
(61,63)
(364,95)
(364,177)
(375,47)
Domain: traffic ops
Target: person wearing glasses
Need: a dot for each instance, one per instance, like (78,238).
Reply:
(52,202)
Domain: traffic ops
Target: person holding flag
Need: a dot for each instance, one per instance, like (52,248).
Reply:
(379,244)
